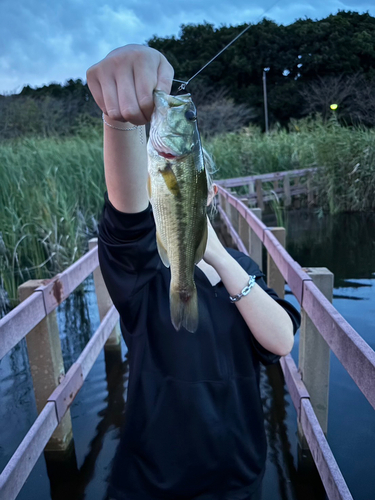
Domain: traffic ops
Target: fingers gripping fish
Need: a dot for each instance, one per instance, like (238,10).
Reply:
(177,189)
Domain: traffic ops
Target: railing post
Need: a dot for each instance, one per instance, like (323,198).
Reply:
(255,244)
(314,354)
(287,196)
(222,201)
(104,304)
(233,216)
(310,194)
(224,234)
(47,367)
(259,191)
(251,194)
(243,228)
(275,279)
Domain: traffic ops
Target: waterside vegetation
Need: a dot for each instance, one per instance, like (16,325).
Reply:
(51,190)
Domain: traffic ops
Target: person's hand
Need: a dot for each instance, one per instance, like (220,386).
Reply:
(215,253)
(123,82)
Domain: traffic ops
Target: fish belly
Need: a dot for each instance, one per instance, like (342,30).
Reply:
(179,197)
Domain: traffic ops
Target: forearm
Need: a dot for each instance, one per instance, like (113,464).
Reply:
(125,164)
(122,85)
(268,321)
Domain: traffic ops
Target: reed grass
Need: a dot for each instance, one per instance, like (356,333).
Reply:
(346,155)
(51,195)
(51,190)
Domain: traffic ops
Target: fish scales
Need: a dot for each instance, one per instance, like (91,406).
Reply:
(178,193)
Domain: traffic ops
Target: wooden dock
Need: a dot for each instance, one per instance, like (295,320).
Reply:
(323,329)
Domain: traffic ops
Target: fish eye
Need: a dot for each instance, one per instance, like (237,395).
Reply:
(190,116)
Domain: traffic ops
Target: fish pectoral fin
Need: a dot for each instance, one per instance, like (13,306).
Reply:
(149,187)
(202,246)
(170,179)
(162,251)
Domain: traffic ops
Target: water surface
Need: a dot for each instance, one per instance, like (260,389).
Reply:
(344,244)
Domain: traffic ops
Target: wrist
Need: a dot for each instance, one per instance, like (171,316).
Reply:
(218,259)
(112,123)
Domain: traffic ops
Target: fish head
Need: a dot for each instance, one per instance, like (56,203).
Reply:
(174,130)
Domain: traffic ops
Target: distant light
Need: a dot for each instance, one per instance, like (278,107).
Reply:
(266,69)
(286,72)
(334,106)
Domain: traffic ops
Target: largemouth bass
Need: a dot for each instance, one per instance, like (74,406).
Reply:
(177,189)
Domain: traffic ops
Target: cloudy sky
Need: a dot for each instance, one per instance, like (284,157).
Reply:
(53,40)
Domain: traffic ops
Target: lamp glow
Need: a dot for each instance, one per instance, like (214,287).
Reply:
(334,106)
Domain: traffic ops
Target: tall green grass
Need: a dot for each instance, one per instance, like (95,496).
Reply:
(51,194)
(51,190)
(346,155)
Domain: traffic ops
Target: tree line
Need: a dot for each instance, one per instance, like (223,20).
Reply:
(309,65)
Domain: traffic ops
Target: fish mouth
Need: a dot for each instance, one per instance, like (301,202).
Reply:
(168,156)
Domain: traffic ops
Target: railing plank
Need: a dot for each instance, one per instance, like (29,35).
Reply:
(20,321)
(237,240)
(269,177)
(329,471)
(61,286)
(64,394)
(23,460)
(330,474)
(296,387)
(23,318)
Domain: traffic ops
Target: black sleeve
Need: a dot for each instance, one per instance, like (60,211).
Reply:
(265,356)
(127,253)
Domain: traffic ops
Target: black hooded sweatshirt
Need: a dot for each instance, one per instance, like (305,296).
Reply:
(194,422)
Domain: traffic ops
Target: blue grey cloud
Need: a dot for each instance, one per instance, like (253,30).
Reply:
(43,41)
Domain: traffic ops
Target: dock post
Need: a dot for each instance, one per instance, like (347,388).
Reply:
(259,191)
(275,279)
(104,304)
(314,354)
(252,199)
(287,196)
(233,216)
(310,193)
(222,230)
(243,228)
(255,244)
(47,367)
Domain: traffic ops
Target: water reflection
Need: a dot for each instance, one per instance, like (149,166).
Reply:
(69,481)
(286,478)
(75,324)
(345,245)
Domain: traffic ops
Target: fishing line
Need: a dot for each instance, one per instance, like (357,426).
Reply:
(184,84)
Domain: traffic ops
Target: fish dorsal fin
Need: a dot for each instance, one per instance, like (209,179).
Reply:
(170,179)
(202,246)
(162,251)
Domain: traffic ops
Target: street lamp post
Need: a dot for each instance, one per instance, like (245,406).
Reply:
(265,98)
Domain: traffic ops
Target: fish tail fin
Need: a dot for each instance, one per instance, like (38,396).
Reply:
(184,308)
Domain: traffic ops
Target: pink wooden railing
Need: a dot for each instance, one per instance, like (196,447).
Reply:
(354,353)
(14,327)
